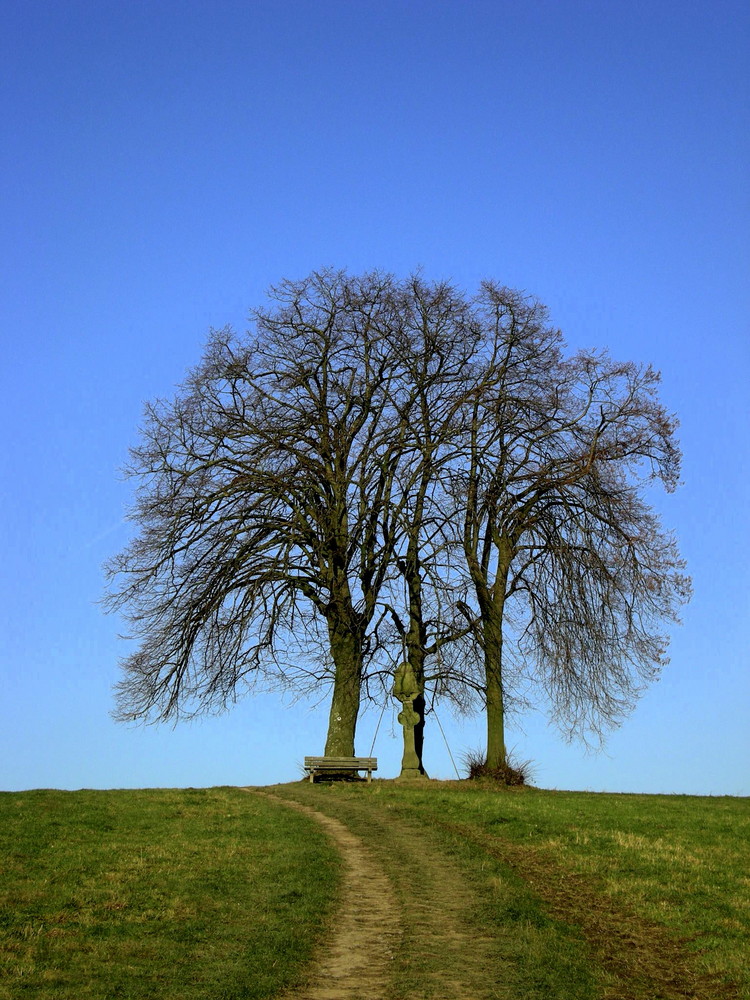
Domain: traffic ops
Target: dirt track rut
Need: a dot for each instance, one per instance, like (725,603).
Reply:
(400,937)
(356,962)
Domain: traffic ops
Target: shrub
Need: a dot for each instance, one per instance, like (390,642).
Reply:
(512,772)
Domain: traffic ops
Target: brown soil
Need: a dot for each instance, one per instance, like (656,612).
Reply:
(355,964)
(423,942)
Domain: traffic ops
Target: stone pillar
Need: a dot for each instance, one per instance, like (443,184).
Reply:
(406,689)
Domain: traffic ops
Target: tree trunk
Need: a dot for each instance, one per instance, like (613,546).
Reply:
(493,669)
(347,661)
(419,707)
(495,709)
(415,643)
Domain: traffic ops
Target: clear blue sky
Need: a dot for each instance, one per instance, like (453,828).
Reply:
(162,163)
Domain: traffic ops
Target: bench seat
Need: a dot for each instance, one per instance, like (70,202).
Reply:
(318,765)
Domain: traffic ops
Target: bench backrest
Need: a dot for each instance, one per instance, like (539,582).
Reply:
(363,762)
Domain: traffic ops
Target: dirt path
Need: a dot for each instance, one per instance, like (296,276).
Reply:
(413,935)
(356,963)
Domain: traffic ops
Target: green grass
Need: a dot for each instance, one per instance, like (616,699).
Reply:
(682,862)
(181,894)
(589,894)
(157,894)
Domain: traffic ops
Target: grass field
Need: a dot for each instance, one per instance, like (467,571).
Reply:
(588,895)
(157,894)
(215,893)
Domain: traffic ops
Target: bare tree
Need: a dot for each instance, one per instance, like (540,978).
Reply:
(262,489)
(563,551)
(383,466)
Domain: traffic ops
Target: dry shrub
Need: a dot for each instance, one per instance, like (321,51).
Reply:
(512,772)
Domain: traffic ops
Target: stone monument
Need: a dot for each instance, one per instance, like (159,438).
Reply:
(406,688)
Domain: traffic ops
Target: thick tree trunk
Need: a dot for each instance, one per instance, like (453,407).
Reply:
(493,669)
(342,721)
(493,659)
(415,643)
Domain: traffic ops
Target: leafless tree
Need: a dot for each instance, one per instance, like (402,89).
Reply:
(385,468)
(262,490)
(565,555)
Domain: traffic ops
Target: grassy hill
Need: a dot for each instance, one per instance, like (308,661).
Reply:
(217,893)
(192,893)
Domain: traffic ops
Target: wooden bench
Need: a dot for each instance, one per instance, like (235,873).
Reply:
(318,765)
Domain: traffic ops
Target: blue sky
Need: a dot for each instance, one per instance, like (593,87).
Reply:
(163,163)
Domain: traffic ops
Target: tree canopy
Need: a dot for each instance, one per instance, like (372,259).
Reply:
(384,469)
